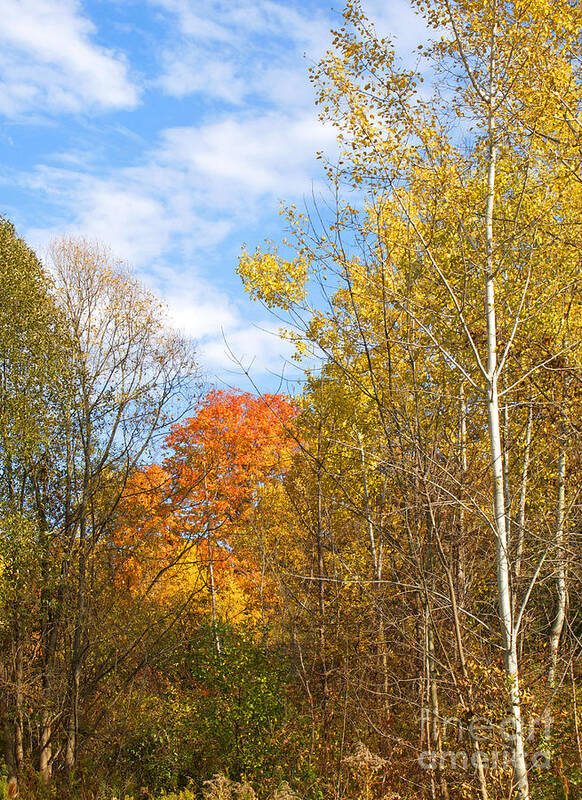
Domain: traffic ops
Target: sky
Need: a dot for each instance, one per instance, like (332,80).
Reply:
(172,130)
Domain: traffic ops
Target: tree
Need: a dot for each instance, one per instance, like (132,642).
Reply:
(92,378)
(128,372)
(191,552)
(34,358)
(444,301)
(218,462)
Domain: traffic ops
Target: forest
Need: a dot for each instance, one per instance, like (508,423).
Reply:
(368,588)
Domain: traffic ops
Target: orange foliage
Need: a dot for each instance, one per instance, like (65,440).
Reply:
(147,529)
(223,455)
(179,515)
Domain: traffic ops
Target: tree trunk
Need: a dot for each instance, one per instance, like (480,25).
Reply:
(321,598)
(7,729)
(376,553)
(48,635)
(212,585)
(558,622)
(19,718)
(77,651)
(522,500)
(45,750)
(459,542)
(496,465)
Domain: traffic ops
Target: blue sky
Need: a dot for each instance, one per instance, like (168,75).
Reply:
(170,130)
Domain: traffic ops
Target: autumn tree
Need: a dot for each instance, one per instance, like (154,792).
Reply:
(218,462)
(192,550)
(446,314)
(35,359)
(129,371)
(92,379)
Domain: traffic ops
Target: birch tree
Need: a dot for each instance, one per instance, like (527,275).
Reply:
(467,201)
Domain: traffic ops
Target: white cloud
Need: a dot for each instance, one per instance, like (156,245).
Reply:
(270,154)
(198,309)
(240,50)
(48,61)
(257,348)
(168,214)
(399,21)
(236,51)
(229,21)
(138,212)
(190,71)
(227,342)
(197,20)
(192,190)
(132,222)
(187,192)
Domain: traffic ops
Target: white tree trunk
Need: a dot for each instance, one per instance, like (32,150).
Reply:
(558,622)
(523,499)
(496,463)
